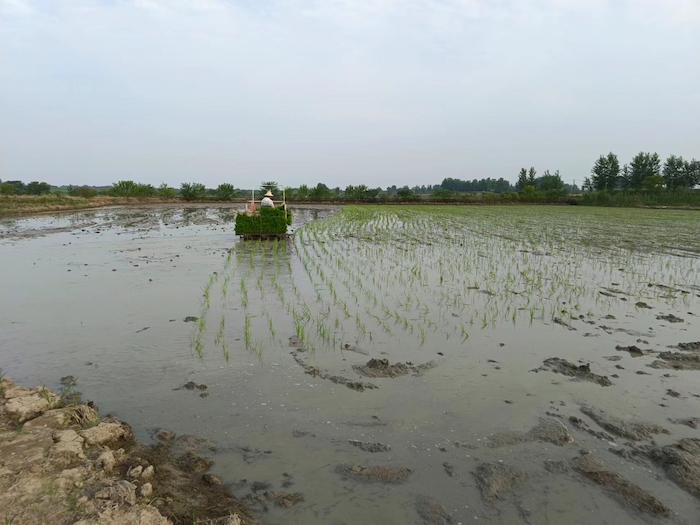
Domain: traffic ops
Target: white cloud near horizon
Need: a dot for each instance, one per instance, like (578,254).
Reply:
(377,92)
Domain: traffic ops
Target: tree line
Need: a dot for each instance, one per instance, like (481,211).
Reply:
(644,172)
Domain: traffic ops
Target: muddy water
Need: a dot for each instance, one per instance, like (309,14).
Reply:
(103,296)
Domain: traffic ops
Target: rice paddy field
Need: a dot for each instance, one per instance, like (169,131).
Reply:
(425,364)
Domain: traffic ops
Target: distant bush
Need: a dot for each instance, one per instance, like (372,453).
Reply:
(85,192)
(129,188)
(7,188)
(407,195)
(653,197)
(225,192)
(192,191)
(166,192)
(124,188)
(38,188)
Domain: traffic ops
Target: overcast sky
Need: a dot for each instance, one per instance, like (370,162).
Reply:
(375,92)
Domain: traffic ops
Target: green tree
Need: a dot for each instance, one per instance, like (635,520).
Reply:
(532,177)
(407,195)
(270,186)
(302,192)
(18,187)
(320,192)
(124,188)
(522,180)
(361,193)
(643,166)
(86,192)
(653,183)
(625,176)
(606,172)
(7,188)
(192,191)
(673,172)
(38,188)
(166,192)
(440,194)
(548,182)
(225,192)
(145,191)
(691,173)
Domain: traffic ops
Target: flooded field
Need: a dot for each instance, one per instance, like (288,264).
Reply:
(390,365)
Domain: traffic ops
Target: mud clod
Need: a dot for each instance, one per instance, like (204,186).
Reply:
(633,430)
(431,512)
(692,422)
(634,351)
(259,486)
(163,434)
(191,385)
(68,380)
(191,319)
(580,424)
(368,446)
(449,468)
(284,500)
(623,491)
(380,474)
(681,463)
(298,343)
(358,386)
(690,347)
(580,373)
(495,480)
(377,368)
(211,479)
(549,430)
(670,318)
(677,361)
(563,323)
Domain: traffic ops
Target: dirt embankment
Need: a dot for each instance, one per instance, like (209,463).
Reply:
(60,463)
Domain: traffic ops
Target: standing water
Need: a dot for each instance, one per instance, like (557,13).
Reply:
(385,365)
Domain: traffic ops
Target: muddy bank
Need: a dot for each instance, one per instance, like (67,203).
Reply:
(60,463)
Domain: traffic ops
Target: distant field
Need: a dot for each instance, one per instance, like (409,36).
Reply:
(31,204)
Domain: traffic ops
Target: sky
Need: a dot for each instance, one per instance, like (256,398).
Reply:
(375,92)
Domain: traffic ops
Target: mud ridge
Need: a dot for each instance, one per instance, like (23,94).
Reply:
(379,474)
(681,462)
(358,386)
(636,431)
(677,361)
(496,479)
(580,373)
(625,492)
(376,368)
(549,430)
(431,512)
